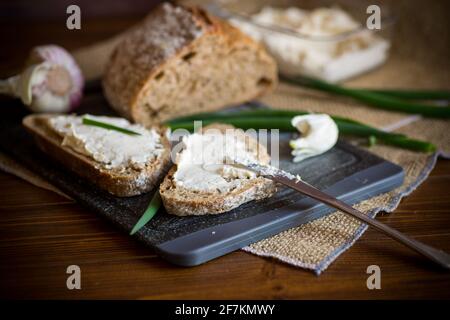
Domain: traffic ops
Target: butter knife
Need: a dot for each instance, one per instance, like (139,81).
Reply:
(294,182)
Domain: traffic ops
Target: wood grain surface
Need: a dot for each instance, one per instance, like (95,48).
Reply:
(43,233)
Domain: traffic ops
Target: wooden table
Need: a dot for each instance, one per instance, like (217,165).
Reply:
(43,233)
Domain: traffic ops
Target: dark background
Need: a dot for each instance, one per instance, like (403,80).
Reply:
(26,23)
(38,10)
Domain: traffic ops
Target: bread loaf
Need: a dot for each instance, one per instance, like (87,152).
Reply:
(181,60)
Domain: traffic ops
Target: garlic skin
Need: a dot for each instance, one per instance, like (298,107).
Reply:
(319,133)
(52,82)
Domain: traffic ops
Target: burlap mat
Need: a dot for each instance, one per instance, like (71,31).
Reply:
(419,59)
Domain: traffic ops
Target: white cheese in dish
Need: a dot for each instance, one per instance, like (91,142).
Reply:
(202,164)
(331,59)
(111,148)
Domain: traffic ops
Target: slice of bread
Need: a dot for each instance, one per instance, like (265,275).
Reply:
(183,201)
(121,183)
(180,61)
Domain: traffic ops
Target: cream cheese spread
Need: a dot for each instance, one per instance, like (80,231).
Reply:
(110,148)
(319,133)
(206,162)
(332,59)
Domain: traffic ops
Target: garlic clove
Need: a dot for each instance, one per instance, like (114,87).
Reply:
(59,56)
(318,134)
(23,89)
(52,81)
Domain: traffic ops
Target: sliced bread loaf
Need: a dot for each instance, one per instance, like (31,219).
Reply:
(189,199)
(181,60)
(116,179)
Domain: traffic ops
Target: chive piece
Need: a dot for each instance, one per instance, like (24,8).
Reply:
(108,126)
(412,94)
(240,114)
(282,123)
(251,114)
(372,140)
(411,144)
(149,213)
(372,98)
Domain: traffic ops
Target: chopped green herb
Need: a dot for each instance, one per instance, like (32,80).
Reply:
(108,126)
(372,140)
(153,207)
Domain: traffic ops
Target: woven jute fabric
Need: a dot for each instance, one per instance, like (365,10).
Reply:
(419,59)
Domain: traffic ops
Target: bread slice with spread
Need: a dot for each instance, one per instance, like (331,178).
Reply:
(202,182)
(124,163)
(181,60)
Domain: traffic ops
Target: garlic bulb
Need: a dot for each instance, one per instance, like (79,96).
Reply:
(318,134)
(52,82)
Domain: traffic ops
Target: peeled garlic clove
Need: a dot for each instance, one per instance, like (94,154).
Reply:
(318,134)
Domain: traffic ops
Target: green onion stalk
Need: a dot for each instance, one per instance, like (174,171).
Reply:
(281,119)
(392,100)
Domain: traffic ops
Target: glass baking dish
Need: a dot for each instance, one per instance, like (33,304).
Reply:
(332,57)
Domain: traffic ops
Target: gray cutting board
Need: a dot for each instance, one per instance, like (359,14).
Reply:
(345,171)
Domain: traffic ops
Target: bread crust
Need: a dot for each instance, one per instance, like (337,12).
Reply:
(122,184)
(201,204)
(137,60)
(184,202)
